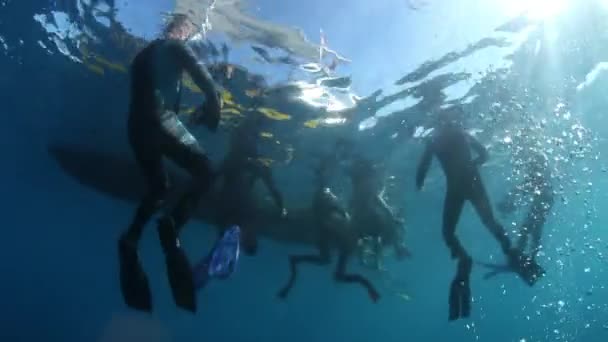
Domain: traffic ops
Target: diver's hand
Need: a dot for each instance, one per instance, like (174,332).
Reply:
(202,116)
(208,114)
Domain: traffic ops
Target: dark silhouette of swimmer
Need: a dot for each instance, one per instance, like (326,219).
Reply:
(238,174)
(154,132)
(537,186)
(452,147)
(334,227)
(372,216)
(537,190)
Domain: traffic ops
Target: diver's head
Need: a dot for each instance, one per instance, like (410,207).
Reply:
(451,117)
(365,174)
(179,27)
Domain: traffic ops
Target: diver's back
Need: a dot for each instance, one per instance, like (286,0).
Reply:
(452,148)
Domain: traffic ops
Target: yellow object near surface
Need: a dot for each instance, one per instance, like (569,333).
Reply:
(95,68)
(274,114)
(312,123)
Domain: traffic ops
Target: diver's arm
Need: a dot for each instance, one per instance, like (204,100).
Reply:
(196,70)
(199,74)
(482,152)
(423,165)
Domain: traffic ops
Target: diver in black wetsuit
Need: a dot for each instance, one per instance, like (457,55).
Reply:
(452,147)
(372,216)
(536,188)
(334,226)
(155,132)
(239,172)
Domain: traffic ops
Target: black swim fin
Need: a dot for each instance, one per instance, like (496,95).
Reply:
(460,291)
(525,267)
(179,269)
(133,281)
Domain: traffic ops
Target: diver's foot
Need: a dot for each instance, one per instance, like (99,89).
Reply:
(133,281)
(282,294)
(373,295)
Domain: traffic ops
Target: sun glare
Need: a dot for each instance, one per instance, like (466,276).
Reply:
(545,9)
(536,9)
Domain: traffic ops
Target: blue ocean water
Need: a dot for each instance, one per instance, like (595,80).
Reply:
(63,86)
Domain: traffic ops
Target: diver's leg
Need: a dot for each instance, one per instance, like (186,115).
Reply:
(522,240)
(158,185)
(244,215)
(133,281)
(250,241)
(527,268)
(323,258)
(181,147)
(540,211)
(481,202)
(341,276)
(536,241)
(452,209)
(527,228)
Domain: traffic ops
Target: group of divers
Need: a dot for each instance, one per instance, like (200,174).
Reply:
(155,132)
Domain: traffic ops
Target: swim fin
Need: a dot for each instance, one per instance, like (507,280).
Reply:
(525,267)
(178,267)
(133,281)
(460,291)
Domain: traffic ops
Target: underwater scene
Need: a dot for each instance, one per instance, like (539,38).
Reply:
(259,170)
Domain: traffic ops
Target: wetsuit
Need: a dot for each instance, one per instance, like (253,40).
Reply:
(371,214)
(536,186)
(154,132)
(452,146)
(333,224)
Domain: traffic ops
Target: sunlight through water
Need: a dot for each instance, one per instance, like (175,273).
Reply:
(537,9)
